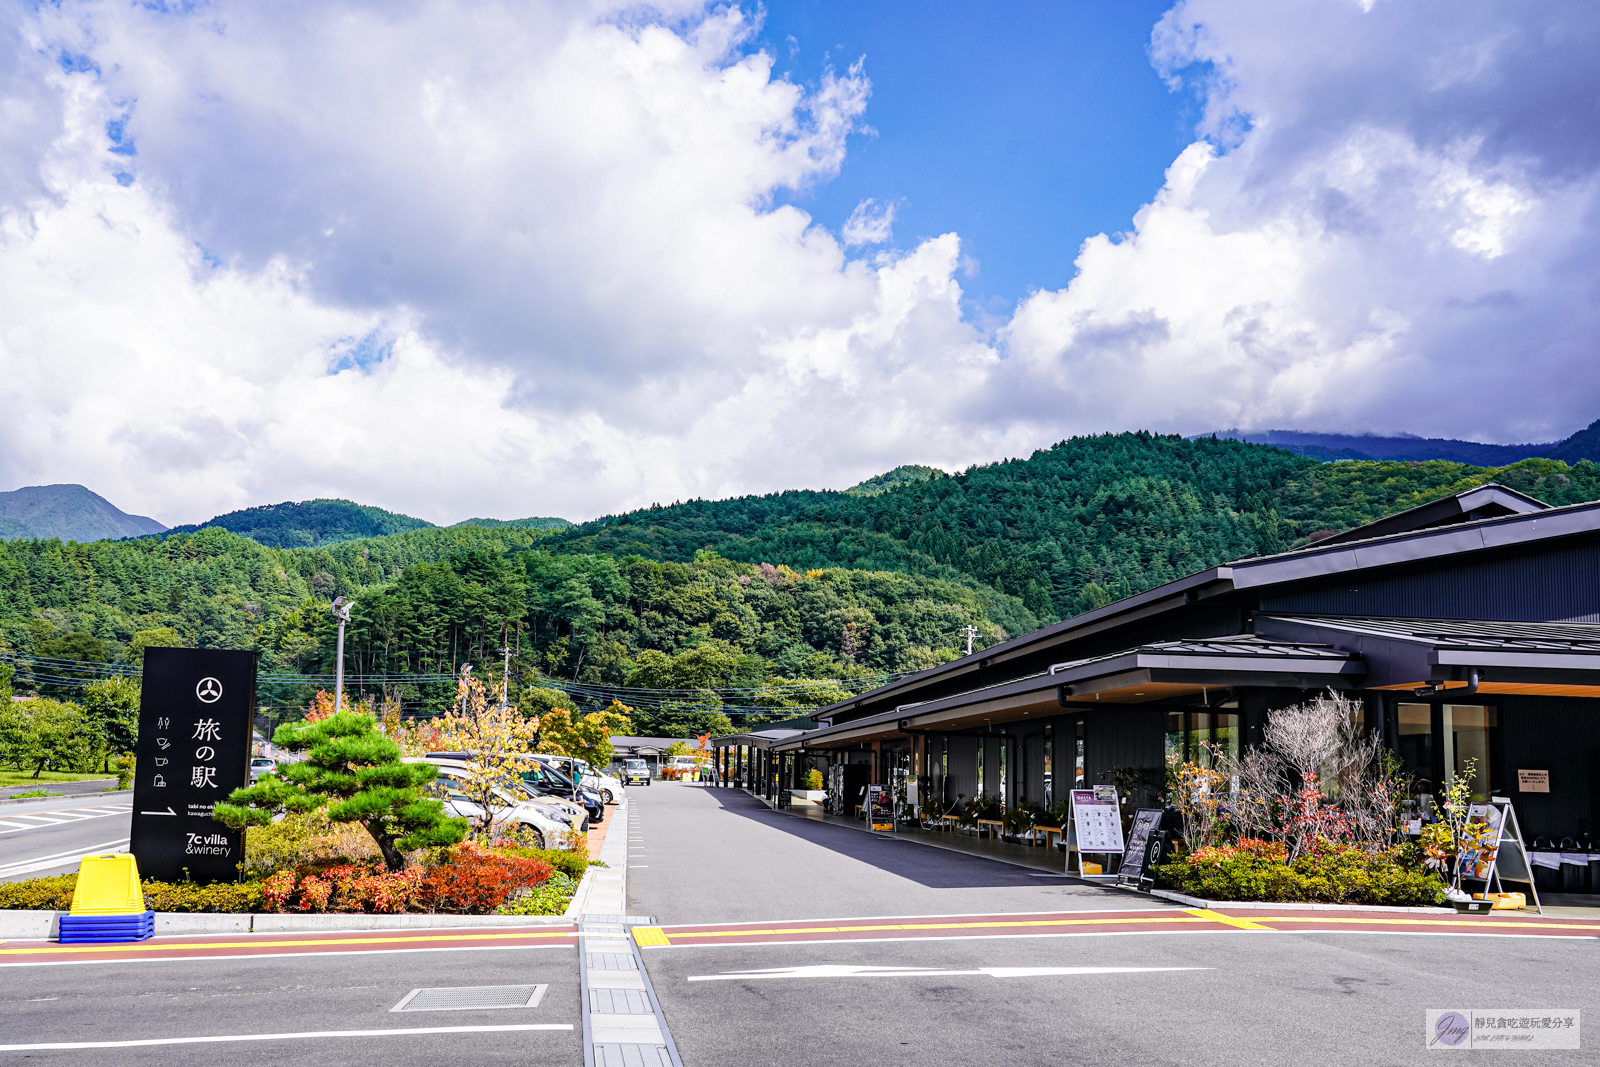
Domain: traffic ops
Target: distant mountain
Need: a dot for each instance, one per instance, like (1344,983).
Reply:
(1585,444)
(68,512)
(910,474)
(310,523)
(524,524)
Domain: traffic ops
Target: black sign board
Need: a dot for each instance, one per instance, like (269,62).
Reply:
(1146,821)
(197,710)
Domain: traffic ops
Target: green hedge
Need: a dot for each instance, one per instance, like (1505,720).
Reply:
(1344,876)
(55,894)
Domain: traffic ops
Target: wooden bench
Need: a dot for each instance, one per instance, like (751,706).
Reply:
(949,822)
(997,825)
(1047,831)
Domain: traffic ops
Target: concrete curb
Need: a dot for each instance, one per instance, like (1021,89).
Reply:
(18,925)
(1196,902)
(69,796)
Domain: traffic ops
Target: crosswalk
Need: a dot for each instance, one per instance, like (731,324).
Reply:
(13,824)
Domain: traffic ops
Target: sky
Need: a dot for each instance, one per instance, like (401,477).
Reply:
(571,257)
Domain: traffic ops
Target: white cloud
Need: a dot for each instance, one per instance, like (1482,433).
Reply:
(515,259)
(871,223)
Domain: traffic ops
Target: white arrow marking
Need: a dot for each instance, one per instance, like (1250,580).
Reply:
(829,970)
(61,859)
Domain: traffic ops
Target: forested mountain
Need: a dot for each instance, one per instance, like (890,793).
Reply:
(775,601)
(1585,444)
(310,523)
(322,522)
(69,512)
(1090,520)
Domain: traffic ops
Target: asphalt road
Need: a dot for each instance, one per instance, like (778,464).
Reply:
(720,855)
(48,836)
(941,970)
(1243,997)
(239,999)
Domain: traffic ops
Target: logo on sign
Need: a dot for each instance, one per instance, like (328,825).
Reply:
(209,690)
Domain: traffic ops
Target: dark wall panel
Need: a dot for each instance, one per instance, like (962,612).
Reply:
(1127,737)
(1556,585)
(1556,734)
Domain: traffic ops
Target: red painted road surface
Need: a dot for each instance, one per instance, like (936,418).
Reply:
(297,944)
(892,928)
(1068,924)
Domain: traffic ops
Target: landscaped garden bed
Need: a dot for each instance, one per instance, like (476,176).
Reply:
(1314,815)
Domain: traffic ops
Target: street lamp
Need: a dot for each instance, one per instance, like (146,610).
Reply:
(341,611)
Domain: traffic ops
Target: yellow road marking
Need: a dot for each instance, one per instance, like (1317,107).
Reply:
(1375,921)
(881,927)
(1230,920)
(649,935)
(145,946)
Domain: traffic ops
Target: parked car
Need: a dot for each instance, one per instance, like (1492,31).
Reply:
(561,785)
(635,771)
(515,807)
(548,786)
(600,782)
(260,767)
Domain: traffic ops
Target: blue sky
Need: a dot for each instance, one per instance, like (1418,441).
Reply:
(541,257)
(1024,133)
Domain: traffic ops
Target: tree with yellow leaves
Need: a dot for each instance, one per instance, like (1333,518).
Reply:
(495,740)
(587,738)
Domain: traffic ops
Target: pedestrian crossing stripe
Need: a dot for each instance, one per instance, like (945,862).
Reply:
(645,936)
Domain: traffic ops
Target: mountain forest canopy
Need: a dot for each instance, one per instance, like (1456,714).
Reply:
(761,603)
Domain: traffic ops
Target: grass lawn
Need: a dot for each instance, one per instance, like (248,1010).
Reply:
(9,777)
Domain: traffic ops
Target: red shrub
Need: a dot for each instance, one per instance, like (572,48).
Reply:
(475,880)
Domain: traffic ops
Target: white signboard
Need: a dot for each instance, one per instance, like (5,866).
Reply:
(1098,818)
(1533,781)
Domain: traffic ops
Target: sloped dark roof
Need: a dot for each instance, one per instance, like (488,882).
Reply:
(1465,633)
(1488,501)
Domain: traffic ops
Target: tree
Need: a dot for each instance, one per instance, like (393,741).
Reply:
(356,773)
(496,740)
(160,637)
(111,706)
(43,734)
(587,738)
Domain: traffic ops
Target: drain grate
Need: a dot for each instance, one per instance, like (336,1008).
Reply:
(471,998)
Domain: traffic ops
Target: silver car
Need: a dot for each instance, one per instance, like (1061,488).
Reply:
(514,807)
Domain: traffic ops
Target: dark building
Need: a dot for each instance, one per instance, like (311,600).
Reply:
(1468,628)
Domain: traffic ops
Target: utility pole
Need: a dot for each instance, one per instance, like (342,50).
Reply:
(505,679)
(971,631)
(341,611)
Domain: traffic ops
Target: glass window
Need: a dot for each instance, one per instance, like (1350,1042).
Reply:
(1415,743)
(1049,752)
(1174,748)
(1200,737)
(1230,734)
(1080,756)
(1466,737)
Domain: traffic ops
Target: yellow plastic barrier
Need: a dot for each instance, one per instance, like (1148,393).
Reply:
(1504,901)
(108,885)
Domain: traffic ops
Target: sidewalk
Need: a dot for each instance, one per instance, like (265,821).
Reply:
(1031,856)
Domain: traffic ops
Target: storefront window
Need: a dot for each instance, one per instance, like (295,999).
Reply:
(1080,756)
(1229,734)
(1416,741)
(1003,746)
(1466,737)
(1175,737)
(1049,783)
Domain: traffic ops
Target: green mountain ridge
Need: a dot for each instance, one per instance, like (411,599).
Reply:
(733,600)
(68,512)
(322,522)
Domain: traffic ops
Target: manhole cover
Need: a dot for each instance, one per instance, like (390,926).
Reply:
(469,998)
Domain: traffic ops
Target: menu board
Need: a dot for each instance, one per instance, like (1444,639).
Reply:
(1146,821)
(880,807)
(1477,862)
(1097,816)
